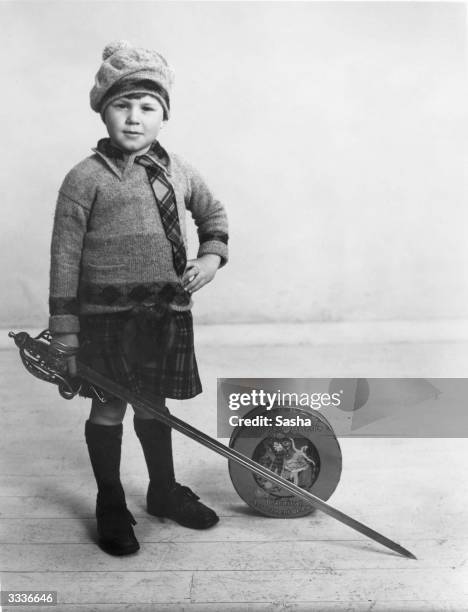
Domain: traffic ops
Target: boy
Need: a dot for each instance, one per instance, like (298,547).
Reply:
(121,285)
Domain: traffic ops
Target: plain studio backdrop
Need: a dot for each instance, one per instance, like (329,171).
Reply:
(335,134)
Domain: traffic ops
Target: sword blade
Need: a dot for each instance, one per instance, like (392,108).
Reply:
(230,453)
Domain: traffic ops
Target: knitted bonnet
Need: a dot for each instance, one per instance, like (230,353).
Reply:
(126,69)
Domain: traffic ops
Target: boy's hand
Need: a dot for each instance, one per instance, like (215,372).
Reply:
(200,271)
(69,340)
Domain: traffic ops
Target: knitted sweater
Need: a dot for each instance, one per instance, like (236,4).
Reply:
(109,251)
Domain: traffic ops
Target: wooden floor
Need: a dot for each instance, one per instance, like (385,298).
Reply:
(412,490)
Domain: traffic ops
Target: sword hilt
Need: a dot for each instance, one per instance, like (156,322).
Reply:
(49,363)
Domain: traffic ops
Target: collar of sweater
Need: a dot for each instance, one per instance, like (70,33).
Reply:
(119,162)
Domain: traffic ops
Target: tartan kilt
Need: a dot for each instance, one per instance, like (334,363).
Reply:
(170,370)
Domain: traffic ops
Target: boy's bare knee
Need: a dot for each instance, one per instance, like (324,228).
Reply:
(157,404)
(110,413)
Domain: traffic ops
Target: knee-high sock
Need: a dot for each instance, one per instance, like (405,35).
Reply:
(156,441)
(104,446)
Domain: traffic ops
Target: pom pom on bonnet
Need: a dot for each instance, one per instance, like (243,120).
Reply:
(127,69)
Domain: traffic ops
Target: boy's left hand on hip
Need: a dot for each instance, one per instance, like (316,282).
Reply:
(199,272)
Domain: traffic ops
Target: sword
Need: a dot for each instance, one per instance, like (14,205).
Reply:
(46,364)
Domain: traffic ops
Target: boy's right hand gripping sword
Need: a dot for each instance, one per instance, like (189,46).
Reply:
(49,364)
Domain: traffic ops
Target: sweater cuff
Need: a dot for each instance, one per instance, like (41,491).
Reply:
(214,247)
(64,324)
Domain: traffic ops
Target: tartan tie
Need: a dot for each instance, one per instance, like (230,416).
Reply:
(165,198)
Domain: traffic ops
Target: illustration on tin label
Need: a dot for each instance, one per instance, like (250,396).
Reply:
(292,457)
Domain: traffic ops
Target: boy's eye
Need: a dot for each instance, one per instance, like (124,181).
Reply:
(148,108)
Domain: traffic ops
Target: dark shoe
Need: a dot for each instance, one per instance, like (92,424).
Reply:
(115,531)
(182,506)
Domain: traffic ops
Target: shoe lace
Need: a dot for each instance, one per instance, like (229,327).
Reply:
(183,494)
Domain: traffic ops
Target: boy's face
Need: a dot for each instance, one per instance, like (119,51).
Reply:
(134,122)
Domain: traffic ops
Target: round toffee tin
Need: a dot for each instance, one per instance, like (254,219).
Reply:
(295,443)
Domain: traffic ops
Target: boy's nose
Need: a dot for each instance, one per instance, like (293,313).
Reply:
(133,116)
